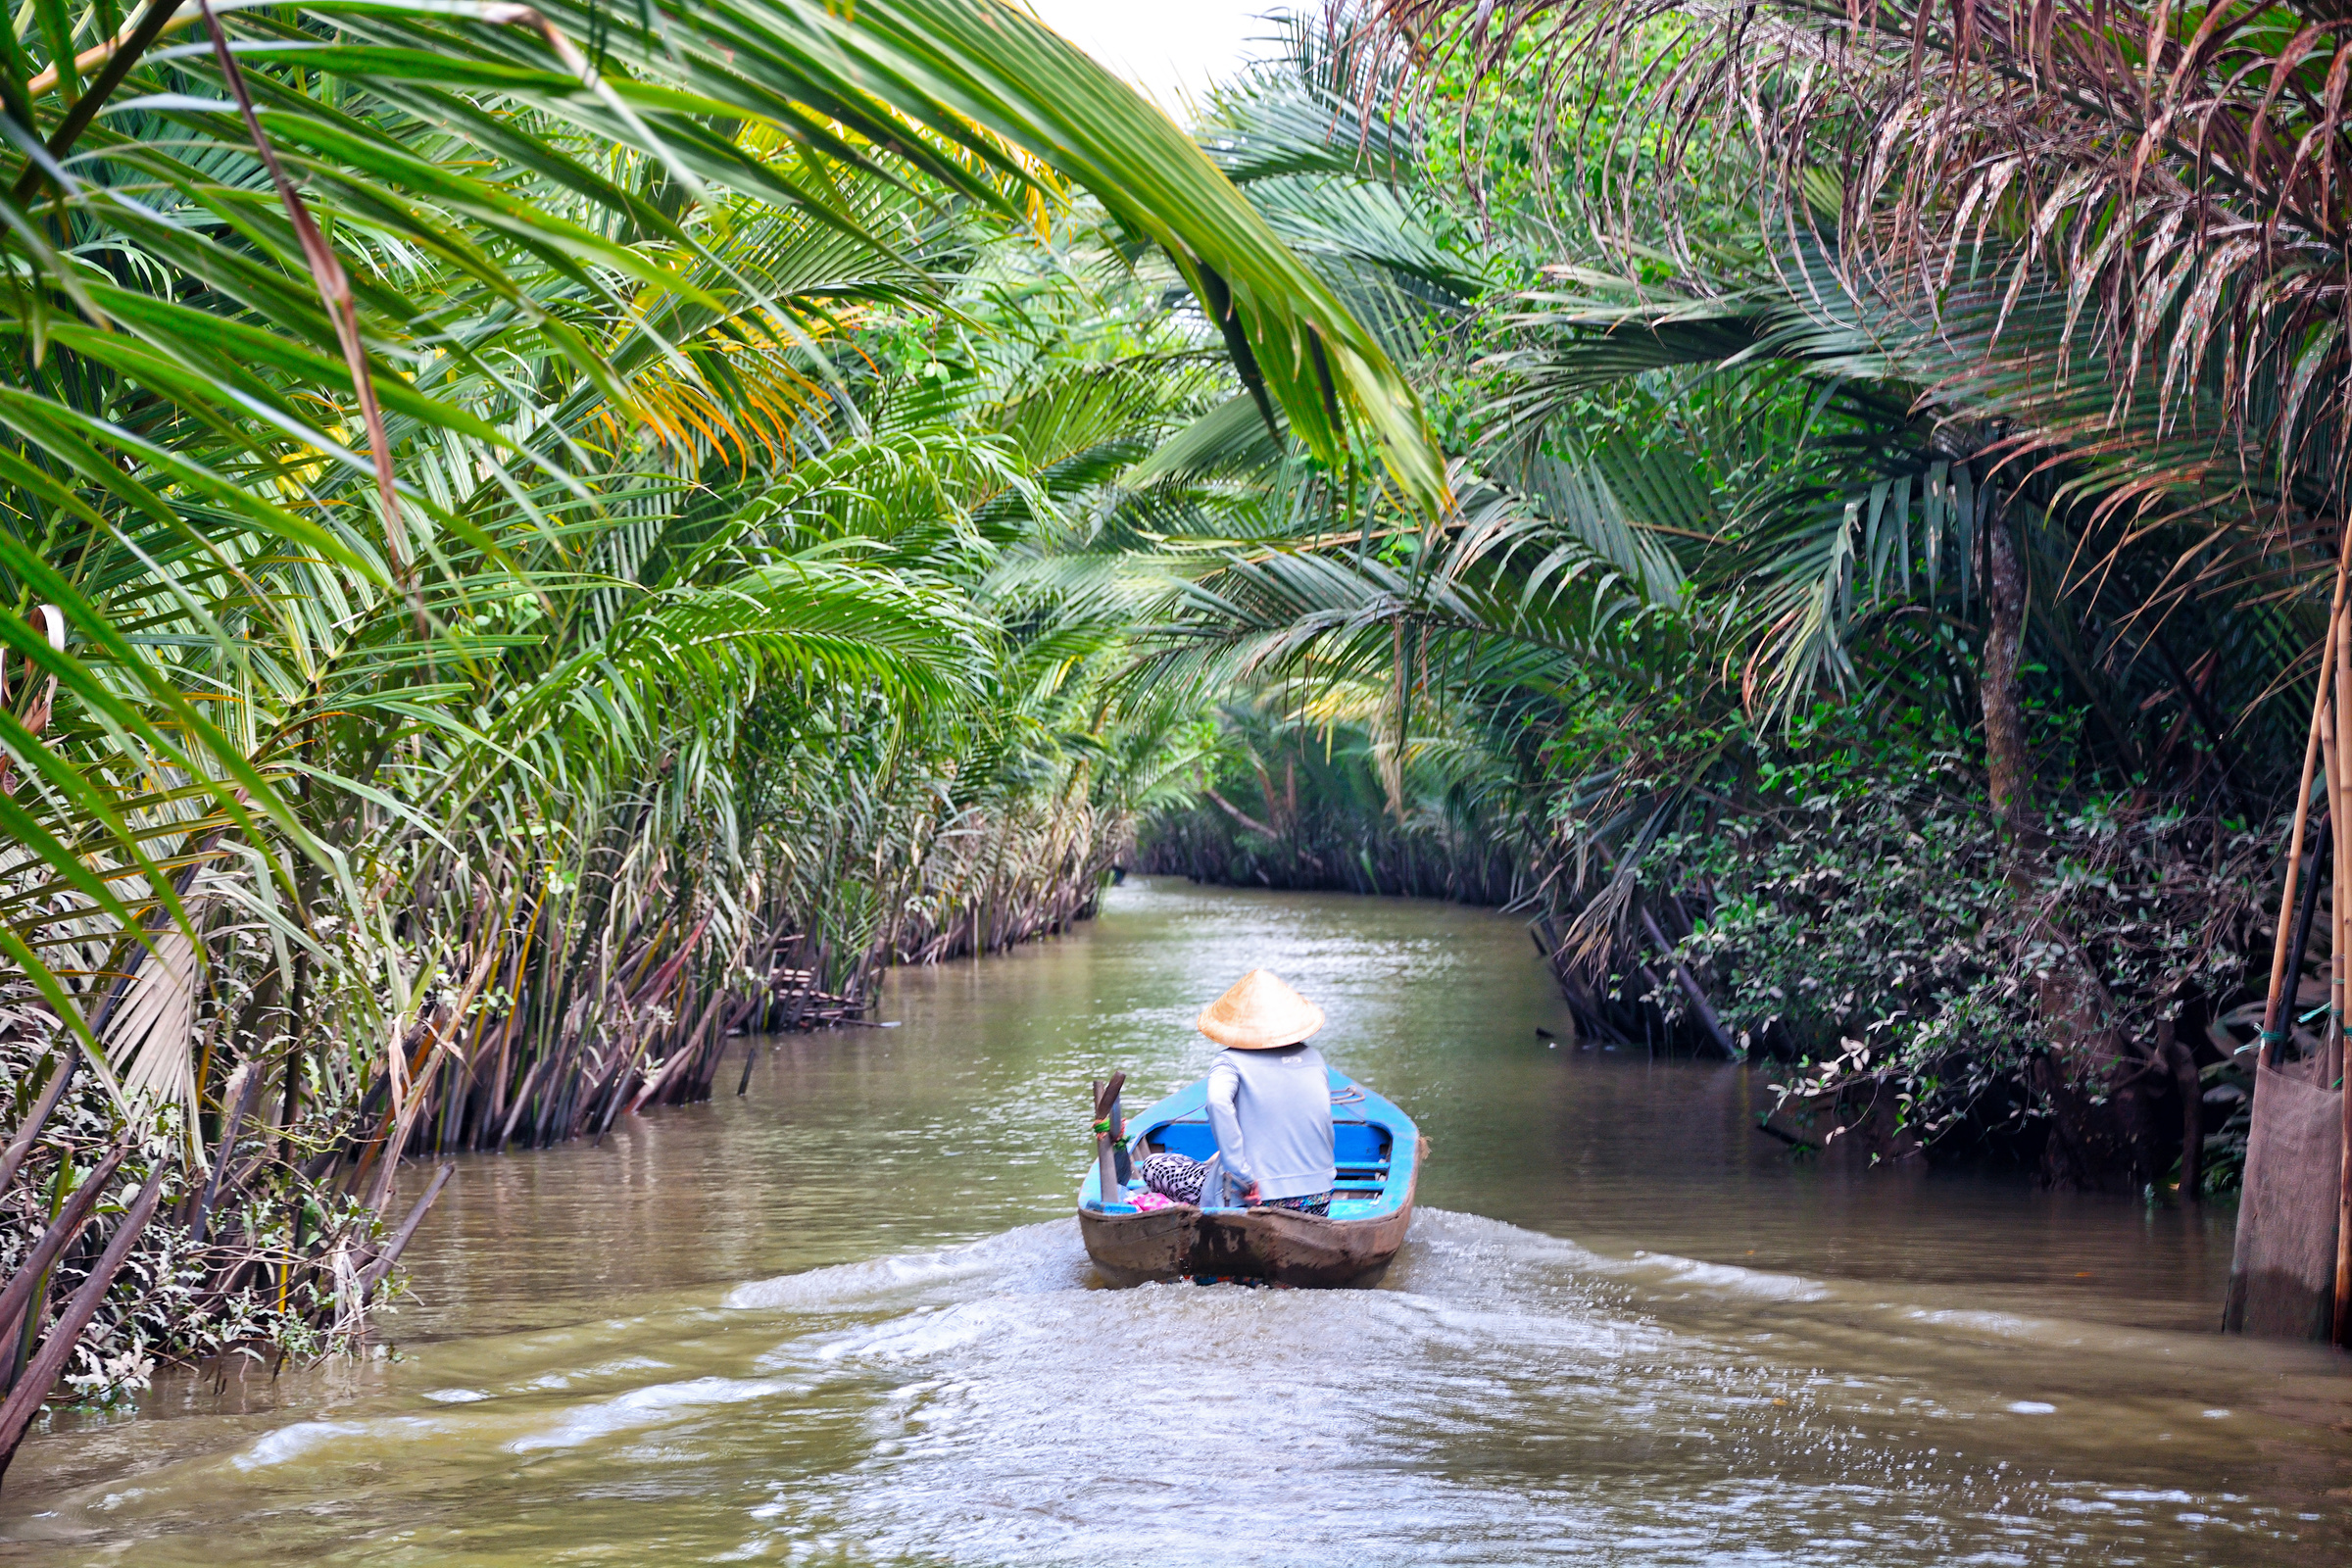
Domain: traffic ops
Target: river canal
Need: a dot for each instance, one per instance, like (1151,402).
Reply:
(846,1319)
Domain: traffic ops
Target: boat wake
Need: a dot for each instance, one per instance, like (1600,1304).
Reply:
(1035,1257)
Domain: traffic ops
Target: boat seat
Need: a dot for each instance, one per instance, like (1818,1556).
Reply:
(1359,1150)
(1194,1140)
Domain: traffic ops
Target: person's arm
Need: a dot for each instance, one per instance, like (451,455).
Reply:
(1224,1085)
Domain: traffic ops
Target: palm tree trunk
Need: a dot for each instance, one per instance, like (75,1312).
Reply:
(2008,774)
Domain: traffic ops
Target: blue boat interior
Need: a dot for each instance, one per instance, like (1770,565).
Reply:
(1374,1145)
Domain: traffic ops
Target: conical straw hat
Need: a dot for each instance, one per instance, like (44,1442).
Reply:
(1259,1014)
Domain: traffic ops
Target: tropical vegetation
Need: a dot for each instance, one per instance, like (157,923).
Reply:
(1896,493)
(504,513)
(540,542)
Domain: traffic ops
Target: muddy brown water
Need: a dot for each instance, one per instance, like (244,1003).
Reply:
(847,1319)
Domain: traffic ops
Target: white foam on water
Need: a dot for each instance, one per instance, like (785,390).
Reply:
(307,1436)
(929,1332)
(1453,1225)
(1505,1397)
(555,1382)
(1011,1412)
(1995,1325)
(1047,1255)
(647,1406)
(1482,1245)
(1656,1269)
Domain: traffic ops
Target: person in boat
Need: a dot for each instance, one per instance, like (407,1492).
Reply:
(1269,1105)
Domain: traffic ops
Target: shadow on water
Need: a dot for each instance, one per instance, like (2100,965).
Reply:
(847,1319)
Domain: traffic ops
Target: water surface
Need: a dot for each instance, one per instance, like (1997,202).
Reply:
(846,1319)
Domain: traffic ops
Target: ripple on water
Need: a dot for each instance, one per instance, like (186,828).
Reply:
(1514,1396)
(1508,1397)
(651,1406)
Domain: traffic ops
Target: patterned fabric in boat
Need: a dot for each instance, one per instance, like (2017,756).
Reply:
(1178,1178)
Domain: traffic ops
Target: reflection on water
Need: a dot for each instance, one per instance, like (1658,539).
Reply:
(847,1319)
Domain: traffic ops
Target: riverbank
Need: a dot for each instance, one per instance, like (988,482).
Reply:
(845,1316)
(260,1222)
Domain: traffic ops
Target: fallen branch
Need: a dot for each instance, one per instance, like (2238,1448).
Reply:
(373,1274)
(32,1390)
(63,1230)
(1700,1004)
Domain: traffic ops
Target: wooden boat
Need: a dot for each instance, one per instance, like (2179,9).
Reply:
(1377,1150)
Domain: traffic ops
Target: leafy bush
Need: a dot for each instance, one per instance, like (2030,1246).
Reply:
(1864,921)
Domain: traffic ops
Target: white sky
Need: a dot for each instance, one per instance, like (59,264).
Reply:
(1166,47)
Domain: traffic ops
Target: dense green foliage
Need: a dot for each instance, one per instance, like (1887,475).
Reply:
(522,566)
(513,552)
(1829,625)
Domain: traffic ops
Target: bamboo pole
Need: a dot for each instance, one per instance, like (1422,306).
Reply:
(2330,745)
(2340,967)
(2307,907)
(2281,1003)
(2272,1031)
(2332,1067)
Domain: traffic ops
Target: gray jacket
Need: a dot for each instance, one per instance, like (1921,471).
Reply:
(1271,1111)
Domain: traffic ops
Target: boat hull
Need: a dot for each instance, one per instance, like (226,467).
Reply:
(1278,1246)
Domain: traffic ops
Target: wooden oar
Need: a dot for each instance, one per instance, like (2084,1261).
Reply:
(1120,1157)
(1106,1168)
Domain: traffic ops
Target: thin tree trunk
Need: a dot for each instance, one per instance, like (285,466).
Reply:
(296,1008)
(1701,1007)
(2008,773)
(2176,1056)
(248,1081)
(375,1272)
